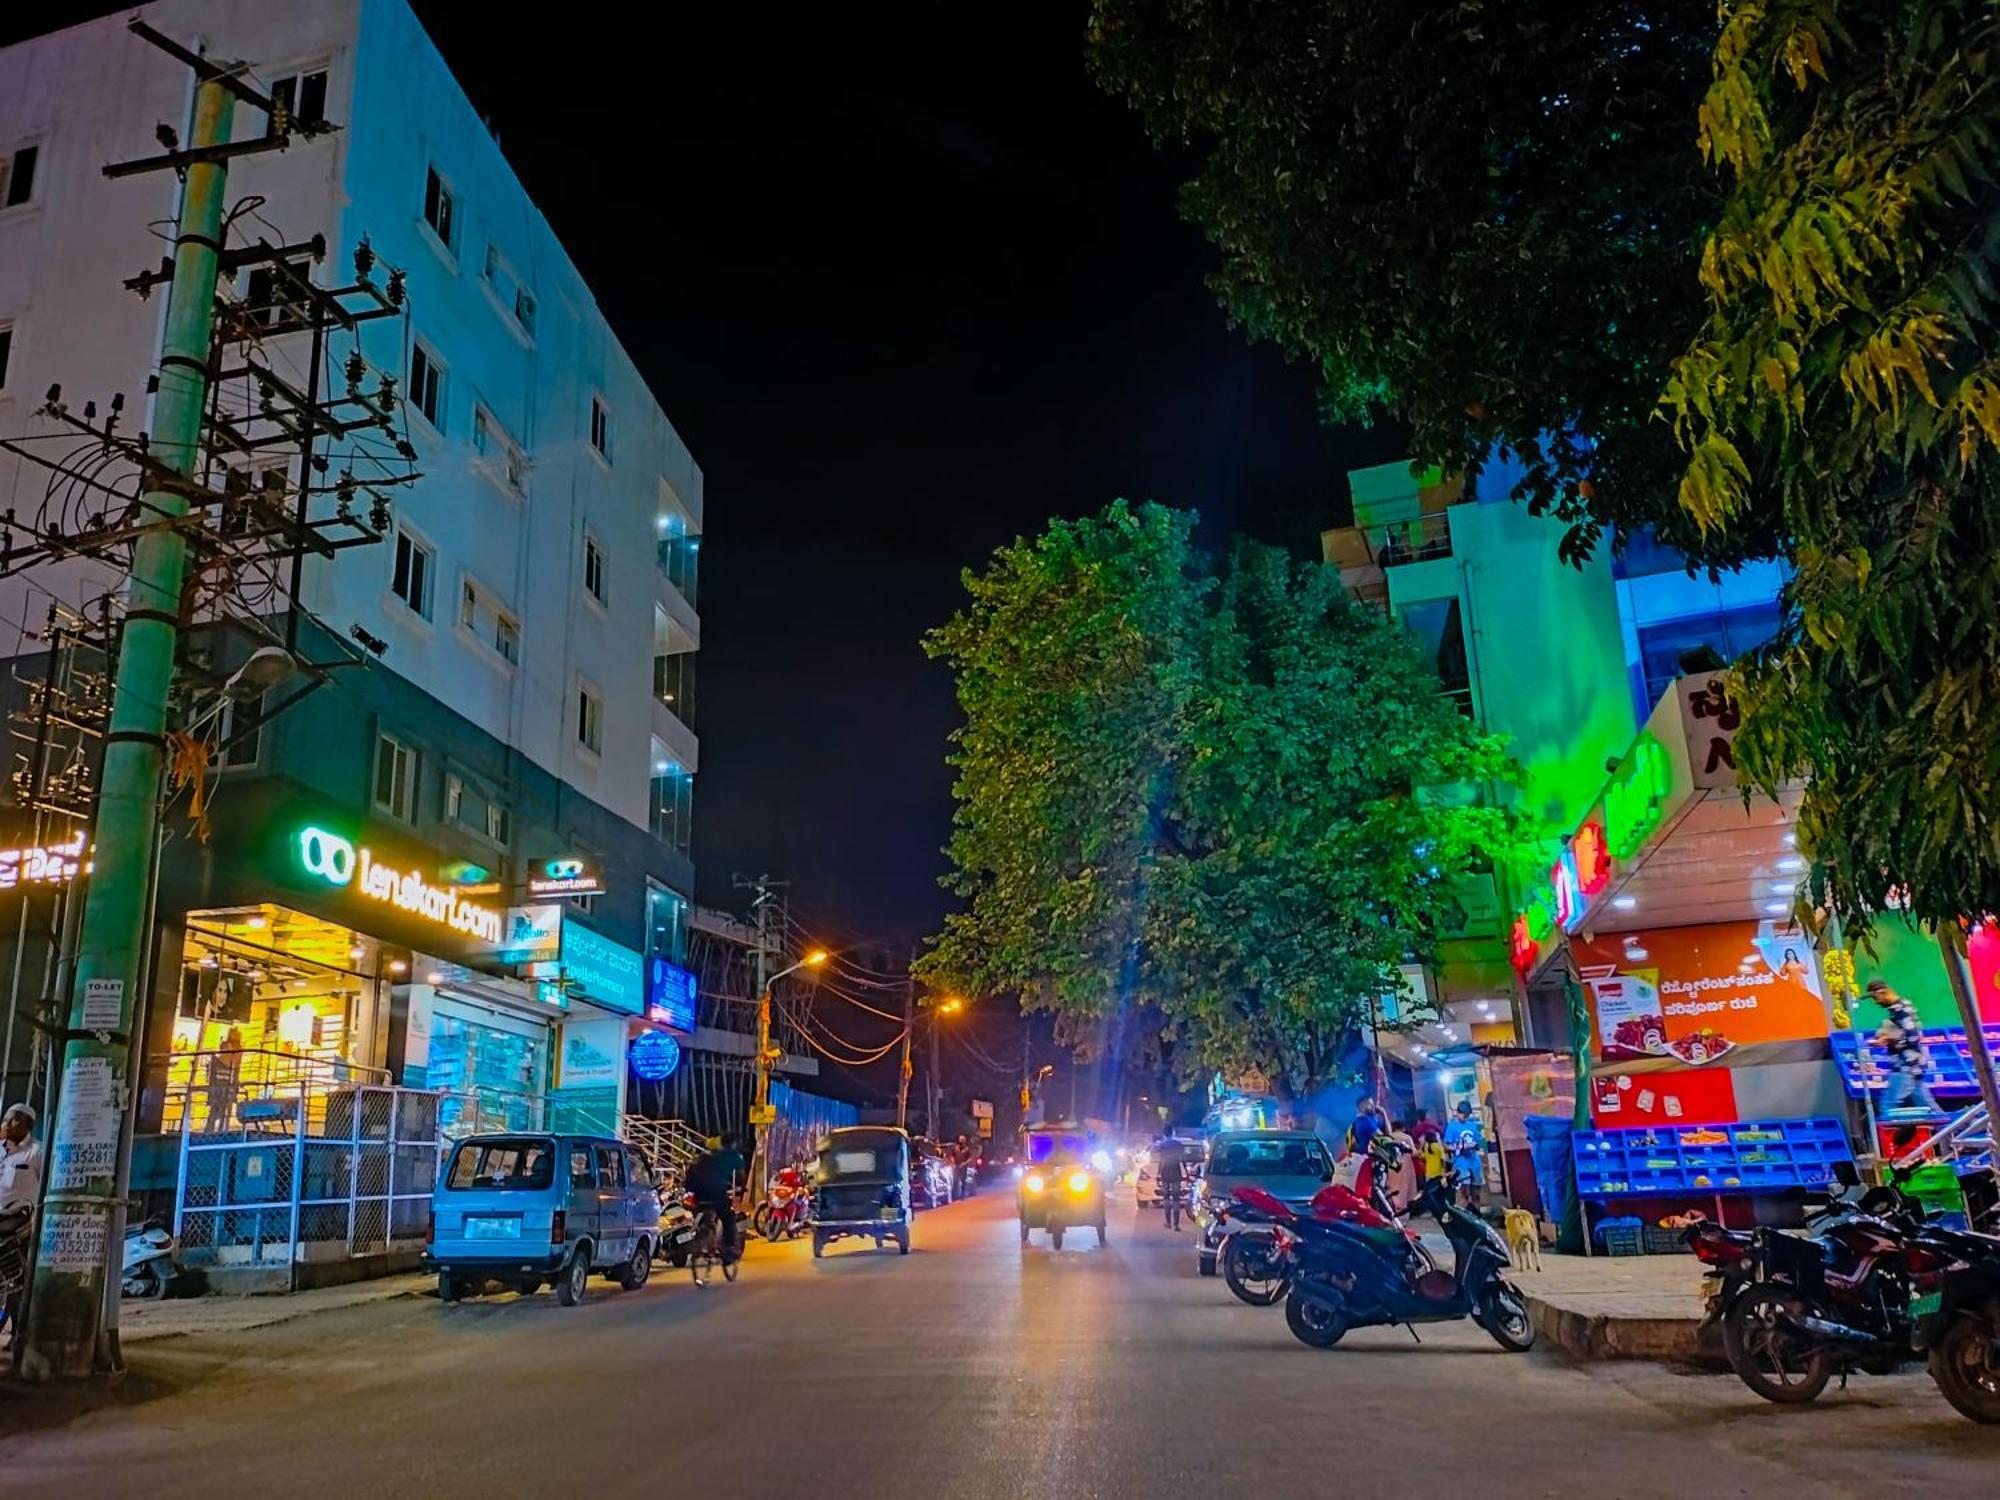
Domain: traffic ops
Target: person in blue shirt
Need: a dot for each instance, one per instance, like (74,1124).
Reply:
(1466,1138)
(1367,1124)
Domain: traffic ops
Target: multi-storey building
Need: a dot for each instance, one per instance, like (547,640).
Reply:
(533,595)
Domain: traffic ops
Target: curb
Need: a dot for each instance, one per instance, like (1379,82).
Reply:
(1605,1336)
(283,1309)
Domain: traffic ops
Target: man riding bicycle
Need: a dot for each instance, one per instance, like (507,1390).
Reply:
(711,1179)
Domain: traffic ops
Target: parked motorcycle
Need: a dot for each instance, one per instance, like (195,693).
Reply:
(1959,1322)
(151,1268)
(785,1212)
(1833,1300)
(1259,1256)
(15,1233)
(677,1223)
(1351,1275)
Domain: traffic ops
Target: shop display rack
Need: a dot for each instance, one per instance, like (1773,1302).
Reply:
(1754,1156)
(1951,1060)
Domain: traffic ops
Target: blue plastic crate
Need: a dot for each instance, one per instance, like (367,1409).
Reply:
(1950,1058)
(1751,1156)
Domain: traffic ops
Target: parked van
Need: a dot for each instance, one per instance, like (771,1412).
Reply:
(524,1209)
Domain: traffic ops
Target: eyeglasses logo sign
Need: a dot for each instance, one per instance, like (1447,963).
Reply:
(563,869)
(326,855)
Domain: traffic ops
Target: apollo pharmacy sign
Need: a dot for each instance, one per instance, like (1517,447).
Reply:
(336,861)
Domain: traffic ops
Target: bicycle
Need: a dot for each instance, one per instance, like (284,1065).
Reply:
(706,1253)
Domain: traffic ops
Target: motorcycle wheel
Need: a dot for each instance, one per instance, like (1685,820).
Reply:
(1250,1274)
(1965,1363)
(1503,1312)
(1776,1364)
(761,1222)
(1315,1322)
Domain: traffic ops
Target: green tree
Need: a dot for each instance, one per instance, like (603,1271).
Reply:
(1483,216)
(1497,221)
(1201,793)
(1845,390)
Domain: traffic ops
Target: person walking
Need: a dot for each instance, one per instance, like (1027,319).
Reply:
(1402,1181)
(1901,1035)
(1468,1154)
(1173,1186)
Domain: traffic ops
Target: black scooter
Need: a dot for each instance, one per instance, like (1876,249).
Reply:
(1348,1276)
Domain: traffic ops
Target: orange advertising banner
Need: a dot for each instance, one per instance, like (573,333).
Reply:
(1695,994)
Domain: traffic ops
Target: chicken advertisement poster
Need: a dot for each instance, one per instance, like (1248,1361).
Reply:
(1693,995)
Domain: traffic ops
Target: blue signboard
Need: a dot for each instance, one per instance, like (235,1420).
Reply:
(654,1056)
(670,994)
(601,971)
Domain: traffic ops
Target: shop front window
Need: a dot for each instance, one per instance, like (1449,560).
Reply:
(275,1011)
(492,1077)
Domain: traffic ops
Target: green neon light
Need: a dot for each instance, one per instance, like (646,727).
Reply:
(1634,802)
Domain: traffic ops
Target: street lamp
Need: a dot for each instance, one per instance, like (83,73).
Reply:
(761,1113)
(950,1005)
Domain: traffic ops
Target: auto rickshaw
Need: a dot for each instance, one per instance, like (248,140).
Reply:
(861,1186)
(1060,1187)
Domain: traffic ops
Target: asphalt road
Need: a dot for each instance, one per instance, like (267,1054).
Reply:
(973,1368)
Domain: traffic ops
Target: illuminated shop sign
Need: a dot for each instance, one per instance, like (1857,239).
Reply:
(338,862)
(670,993)
(41,864)
(654,1056)
(565,877)
(1636,797)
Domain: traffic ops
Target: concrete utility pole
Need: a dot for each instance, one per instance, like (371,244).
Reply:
(68,1296)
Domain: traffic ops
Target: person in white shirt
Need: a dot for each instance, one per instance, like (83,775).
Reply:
(20,1166)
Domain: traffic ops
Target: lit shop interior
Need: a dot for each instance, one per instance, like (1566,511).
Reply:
(276,1003)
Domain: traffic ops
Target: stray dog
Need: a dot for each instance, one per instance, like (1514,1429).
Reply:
(1524,1239)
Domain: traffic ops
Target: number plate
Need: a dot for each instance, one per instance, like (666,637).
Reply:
(492,1228)
(1930,1302)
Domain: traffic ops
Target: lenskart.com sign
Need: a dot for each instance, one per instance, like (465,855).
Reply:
(336,861)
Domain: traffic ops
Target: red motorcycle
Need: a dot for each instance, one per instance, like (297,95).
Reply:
(785,1212)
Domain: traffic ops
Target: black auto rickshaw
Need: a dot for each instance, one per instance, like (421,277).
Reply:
(861,1186)
(1061,1186)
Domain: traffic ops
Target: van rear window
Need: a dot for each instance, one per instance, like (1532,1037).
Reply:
(502,1166)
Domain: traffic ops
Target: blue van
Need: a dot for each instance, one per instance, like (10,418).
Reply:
(527,1208)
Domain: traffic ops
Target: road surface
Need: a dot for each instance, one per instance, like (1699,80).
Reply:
(971,1369)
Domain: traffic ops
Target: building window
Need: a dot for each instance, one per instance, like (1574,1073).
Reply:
(239,732)
(590,718)
(593,569)
(504,462)
(476,811)
(395,778)
(666,922)
(508,291)
(679,554)
(270,302)
(1438,626)
(600,428)
(671,814)
(6,351)
(673,684)
(499,824)
(524,310)
(302,96)
(427,385)
(482,617)
(440,208)
(17,176)
(411,581)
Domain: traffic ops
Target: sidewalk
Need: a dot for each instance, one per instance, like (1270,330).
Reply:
(140,1321)
(1618,1307)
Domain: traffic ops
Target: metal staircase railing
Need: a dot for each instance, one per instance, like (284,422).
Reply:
(1967,1135)
(668,1145)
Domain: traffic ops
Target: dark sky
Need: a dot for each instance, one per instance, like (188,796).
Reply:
(908,285)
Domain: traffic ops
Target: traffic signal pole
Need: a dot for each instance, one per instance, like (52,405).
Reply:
(65,1310)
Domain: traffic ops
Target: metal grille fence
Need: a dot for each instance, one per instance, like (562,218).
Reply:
(350,1176)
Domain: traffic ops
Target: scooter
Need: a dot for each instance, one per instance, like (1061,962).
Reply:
(1258,1259)
(786,1212)
(1351,1275)
(677,1225)
(150,1269)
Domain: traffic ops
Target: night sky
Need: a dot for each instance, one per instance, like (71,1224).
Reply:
(908,285)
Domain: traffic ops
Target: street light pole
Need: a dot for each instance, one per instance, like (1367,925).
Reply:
(903,1073)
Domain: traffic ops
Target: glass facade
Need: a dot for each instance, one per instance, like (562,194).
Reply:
(666,922)
(672,811)
(499,1071)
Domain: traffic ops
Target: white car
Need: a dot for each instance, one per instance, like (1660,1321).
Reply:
(1147,1183)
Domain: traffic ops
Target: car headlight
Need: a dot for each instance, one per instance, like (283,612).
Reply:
(1034,1182)
(1017,1173)
(1079,1182)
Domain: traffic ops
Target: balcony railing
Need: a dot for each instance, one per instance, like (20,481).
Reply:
(1416,540)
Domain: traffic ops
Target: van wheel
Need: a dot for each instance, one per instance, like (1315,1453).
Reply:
(575,1277)
(450,1288)
(1055,1236)
(819,1245)
(638,1268)
(903,1243)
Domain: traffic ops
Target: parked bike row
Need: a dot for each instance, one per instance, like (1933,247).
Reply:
(1869,1285)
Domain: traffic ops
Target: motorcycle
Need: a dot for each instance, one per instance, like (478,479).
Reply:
(785,1212)
(15,1238)
(1257,1260)
(1351,1275)
(1959,1321)
(1834,1300)
(150,1268)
